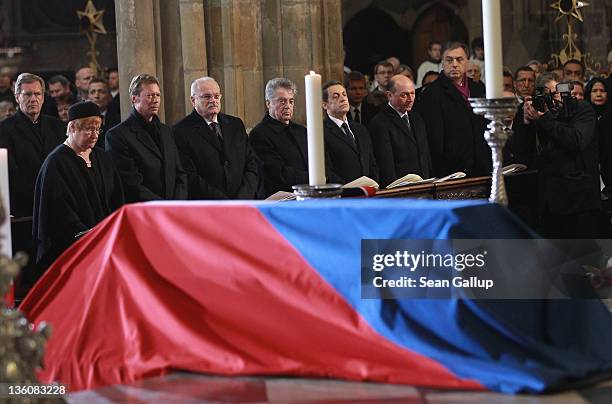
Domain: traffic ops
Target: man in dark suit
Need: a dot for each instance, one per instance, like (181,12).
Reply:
(456,134)
(215,148)
(361,111)
(281,144)
(348,143)
(143,149)
(99,94)
(29,137)
(399,136)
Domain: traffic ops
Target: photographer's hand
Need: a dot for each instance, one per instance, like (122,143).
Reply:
(530,114)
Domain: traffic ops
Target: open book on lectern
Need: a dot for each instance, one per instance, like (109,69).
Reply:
(412,179)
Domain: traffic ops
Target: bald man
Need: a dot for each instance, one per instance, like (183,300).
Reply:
(398,135)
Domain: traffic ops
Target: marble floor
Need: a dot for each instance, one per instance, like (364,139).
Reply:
(186,388)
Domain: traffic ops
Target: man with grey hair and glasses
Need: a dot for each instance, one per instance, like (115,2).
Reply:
(143,149)
(215,148)
(281,144)
(29,137)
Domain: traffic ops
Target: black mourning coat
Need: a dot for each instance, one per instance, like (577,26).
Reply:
(456,134)
(147,173)
(71,198)
(217,170)
(27,150)
(399,150)
(349,161)
(283,154)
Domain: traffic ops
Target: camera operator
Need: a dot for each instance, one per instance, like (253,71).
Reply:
(566,158)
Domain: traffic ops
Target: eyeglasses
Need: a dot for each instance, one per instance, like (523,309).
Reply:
(209,97)
(30,94)
(91,130)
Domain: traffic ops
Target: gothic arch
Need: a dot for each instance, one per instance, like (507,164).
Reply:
(370,36)
(438,21)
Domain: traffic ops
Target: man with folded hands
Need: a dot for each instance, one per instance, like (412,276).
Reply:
(398,135)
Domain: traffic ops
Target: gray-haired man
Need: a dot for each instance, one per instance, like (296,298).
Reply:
(215,148)
(280,143)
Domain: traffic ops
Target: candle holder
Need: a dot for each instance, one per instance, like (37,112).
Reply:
(500,112)
(325,191)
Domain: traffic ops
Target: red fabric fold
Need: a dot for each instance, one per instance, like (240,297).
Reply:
(206,288)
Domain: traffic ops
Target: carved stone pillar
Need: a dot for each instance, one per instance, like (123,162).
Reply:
(234,45)
(241,43)
(299,36)
(136,53)
(183,53)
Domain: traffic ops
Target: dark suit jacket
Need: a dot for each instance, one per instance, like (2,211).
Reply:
(282,151)
(111,119)
(347,161)
(26,153)
(456,134)
(147,173)
(216,171)
(521,147)
(368,112)
(398,150)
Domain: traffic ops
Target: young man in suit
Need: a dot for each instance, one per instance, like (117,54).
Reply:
(360,111)
(143,149)
(214,148)
(348,143)
(399,136)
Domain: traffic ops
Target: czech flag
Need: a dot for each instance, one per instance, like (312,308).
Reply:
(275,289)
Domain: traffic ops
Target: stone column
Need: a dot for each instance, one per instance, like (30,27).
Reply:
(193,44)
(136,48)
(299,36)
(183,53)
(234,46)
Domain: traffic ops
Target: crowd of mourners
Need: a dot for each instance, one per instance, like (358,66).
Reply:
(73,159)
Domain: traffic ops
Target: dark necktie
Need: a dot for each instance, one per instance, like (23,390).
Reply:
(357,115)
(216,129)
(407,122)
(348,133)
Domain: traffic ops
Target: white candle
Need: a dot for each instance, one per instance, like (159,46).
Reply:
(314,124)
(5,228)
(491,23)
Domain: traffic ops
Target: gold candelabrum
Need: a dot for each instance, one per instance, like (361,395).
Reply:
(92,24)
(569,10)
(22,345)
